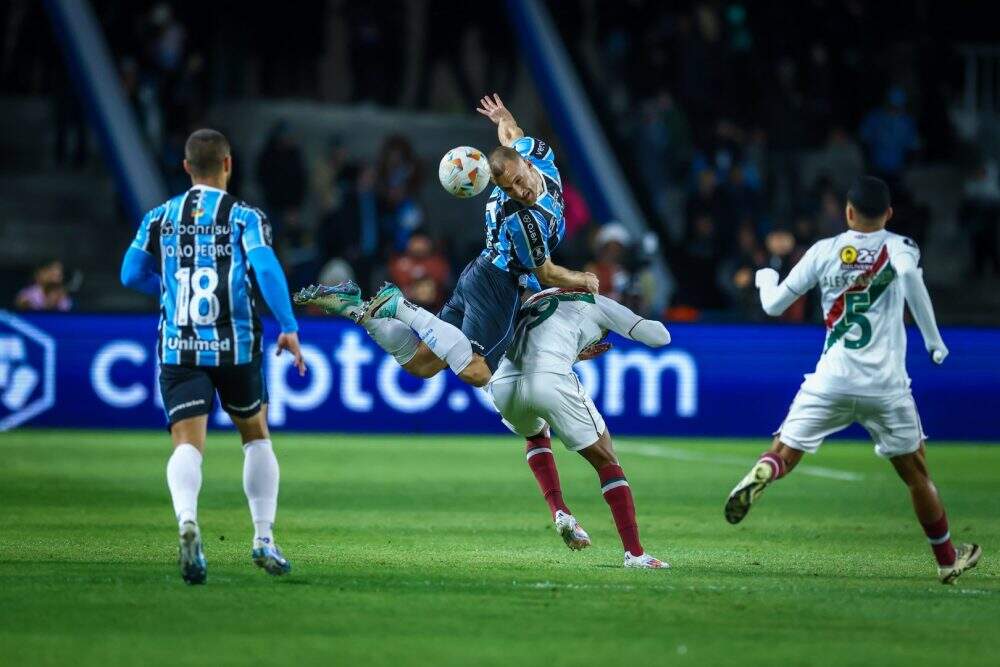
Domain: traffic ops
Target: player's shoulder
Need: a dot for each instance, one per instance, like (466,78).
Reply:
(244,213)
(897,243)
(530,147)
(826,246)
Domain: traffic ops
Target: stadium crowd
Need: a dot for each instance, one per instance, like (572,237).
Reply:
(725,113)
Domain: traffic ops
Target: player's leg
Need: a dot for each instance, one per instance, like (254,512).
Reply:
(512,398)
(618,495)
(894,425)
(187,398)
(243,394)
(811,419)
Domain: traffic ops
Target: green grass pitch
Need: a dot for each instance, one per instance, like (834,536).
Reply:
(439,551)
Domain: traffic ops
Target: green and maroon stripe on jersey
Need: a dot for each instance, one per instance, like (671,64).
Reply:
(875,280)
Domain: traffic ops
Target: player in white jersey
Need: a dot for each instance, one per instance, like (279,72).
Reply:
(865,274)
(535,388)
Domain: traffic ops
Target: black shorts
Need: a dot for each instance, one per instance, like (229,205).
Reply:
(188,391)
(484,306)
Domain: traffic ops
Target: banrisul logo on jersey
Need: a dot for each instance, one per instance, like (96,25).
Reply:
(27,371)
(848,310)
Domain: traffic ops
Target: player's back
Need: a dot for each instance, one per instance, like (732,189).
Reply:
(552,328)
(207,312)
(865,348)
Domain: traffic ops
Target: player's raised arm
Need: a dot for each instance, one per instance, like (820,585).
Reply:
(507,129)
(919,301)
(620,319)
(774,298)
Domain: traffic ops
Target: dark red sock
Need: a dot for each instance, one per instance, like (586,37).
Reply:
(776,462)
(618,495)
(940,539)
(543,465)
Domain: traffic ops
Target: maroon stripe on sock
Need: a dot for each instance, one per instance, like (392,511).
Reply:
(776,462)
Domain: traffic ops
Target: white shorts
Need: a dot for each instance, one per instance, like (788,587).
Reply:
(892,421)
(529,402)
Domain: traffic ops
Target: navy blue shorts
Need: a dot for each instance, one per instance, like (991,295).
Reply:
(484,306)
(189,391)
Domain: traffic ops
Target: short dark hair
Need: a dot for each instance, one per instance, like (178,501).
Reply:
(205,150)
(499,157)
(869,196)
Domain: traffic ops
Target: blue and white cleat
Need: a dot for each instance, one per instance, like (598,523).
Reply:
(343,299)
(381,305)
(268,556)
(194,568)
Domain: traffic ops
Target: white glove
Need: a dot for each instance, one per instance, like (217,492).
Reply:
(766,277)
(938,351)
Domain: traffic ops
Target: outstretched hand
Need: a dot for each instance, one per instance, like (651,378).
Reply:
(493,109)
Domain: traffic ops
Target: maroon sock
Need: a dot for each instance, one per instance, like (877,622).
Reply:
(940,539)
(543,465)
(776,462)
(618,495)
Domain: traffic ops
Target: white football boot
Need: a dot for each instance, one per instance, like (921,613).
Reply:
(645,561)
(573,534)
(966,557)
(747,491)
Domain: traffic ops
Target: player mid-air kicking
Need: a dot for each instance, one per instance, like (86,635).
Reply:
(202,252)
(524,222)
(535,388)
(864,275)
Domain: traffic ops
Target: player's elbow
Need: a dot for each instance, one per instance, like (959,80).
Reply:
(772,308)
(655,334)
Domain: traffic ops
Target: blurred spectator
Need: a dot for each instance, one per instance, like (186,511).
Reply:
(281,173)
(841,161)
(696,263)
(787,134)
(890,135)
(399,176)
(609,250)
(297,246)
(47,292)
(421,272)
(782,252)
(980,215)
(575,210)
(707,200)
(328,176)
(350,231)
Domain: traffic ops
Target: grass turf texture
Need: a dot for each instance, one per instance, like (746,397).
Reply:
(416,550)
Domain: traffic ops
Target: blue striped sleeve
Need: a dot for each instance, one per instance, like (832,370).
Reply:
(143,237)
(257,230)
(528,238)
(533,148)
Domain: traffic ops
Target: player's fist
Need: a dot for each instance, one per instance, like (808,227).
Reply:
(938,351)
(290,342)
(591,283)
(767,277)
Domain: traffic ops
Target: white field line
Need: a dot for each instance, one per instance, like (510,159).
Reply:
(664,452)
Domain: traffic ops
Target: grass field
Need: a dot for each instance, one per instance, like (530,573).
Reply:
(430,551)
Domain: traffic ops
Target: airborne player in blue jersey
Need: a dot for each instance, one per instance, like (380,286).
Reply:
(524,223)
(203,252)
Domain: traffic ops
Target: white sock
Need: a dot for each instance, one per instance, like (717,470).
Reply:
(447,342)
(394,337)
(184,481)
(260,483)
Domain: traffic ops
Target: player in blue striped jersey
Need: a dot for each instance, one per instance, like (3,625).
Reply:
(524,223)
(203,253)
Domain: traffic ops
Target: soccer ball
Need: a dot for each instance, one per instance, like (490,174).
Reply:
(464,172)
